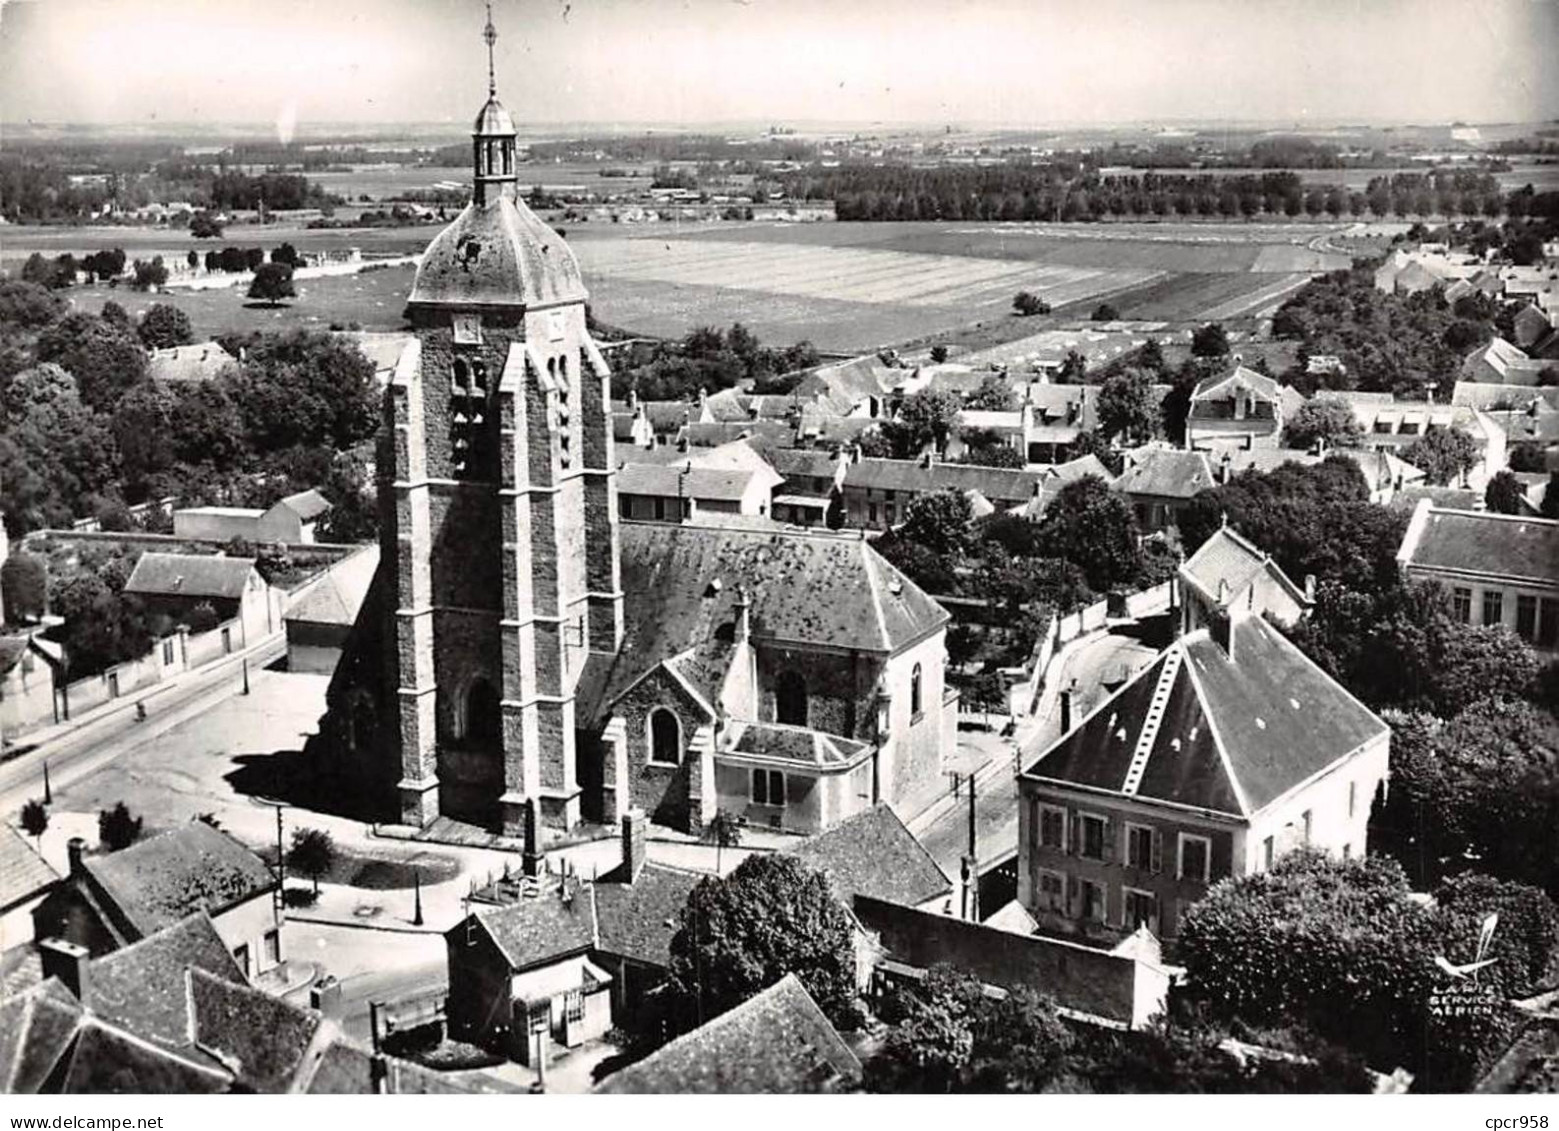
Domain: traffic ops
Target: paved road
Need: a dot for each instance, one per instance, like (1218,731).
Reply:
(75,755)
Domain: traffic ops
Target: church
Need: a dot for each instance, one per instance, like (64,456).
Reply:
(528,660)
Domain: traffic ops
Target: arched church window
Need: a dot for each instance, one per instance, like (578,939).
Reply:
(479,374)
(665,737)
(483,719)
(790,699)
(914,693)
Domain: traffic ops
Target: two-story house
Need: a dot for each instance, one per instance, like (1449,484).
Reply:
(1499,569)
(1240,409)
(1229,572)
(1228,750)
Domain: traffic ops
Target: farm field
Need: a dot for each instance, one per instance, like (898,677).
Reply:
(846,287)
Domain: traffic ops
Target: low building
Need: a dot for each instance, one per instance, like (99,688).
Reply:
(776,1042)
(1498,569)
(681,492)
(810,492)
(25,878)
(874,854)
(107,902)
(1392,425)
(1228,572)
(877,492)
(187,365)
(293,520)
(1229,749)
(320,619)
(177,584)
(30,677)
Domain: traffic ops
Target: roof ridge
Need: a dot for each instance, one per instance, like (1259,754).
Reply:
(1212,728)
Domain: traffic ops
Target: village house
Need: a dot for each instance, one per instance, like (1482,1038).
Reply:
(1228,572)
(1498,362)
(776,1042)
(1161,482)
(30,677)
(1497,569)
(811,488)
(1225,752)
(561,955)
(108,902)
(1241,409)
(1411,271)
(172,1014)
(682,492)
(877,492)
(25,877)
(1392,425)
(178,584)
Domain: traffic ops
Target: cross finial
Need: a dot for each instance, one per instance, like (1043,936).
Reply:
(490,35)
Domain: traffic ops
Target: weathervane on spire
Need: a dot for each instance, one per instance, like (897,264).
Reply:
(490,34)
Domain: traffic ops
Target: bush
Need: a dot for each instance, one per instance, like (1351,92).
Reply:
(117,828)
(24,587)
(203,617)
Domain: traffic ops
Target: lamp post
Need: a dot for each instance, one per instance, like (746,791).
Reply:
(416,917)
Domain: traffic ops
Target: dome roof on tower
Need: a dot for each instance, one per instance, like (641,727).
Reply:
(494,119)
(500,253)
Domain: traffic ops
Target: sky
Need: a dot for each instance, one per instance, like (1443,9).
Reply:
(1019,62)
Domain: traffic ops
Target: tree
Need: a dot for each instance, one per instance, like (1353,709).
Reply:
(312,855)
(35,819)
(102,627)
(117,828)
(104,359)
(149,275)
(163,326)
(928,417)
(740,934)
(1504,493)
(1127,407)
(938,354)
(1444,456)
(303,389)
(1481,787)
(1104,312)
(1323,420)
(28,306)
(24,587)
(1210,340)
(1336,945)
(723,831)
(939,521)
(1151,356)
(986,448)
(204,225)
(993,395)
(1026,303)
(288,255)
(55,452)
(1095,529)
(272,282)
(1074,369)
(142,424)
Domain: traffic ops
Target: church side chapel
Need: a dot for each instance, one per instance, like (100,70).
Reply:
(527,660)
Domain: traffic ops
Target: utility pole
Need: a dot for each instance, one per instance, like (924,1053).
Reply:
(416,918)
(48,794)
(281,875)
(972,865)
(246,675)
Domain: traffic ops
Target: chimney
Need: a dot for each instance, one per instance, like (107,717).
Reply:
(1066,710)
(633,399)
(1220,626)
(74,847)
(635,842)
(1310,588)
(743,615)
(66,961)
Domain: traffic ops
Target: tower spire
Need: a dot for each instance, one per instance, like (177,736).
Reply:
(490,34)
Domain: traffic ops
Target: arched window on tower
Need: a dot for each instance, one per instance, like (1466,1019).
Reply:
(461,378)
(479,375)
(790,699)
(483,720)
(508,158)
(914,693)
(665,737)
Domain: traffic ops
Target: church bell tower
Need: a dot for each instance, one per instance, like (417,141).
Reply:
(503,542)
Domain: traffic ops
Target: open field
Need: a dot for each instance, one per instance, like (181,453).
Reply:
(846,287)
